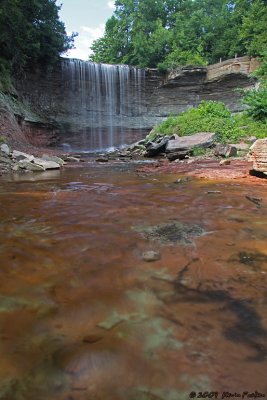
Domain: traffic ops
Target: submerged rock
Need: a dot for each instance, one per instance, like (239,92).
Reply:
(151,255)
(172,232)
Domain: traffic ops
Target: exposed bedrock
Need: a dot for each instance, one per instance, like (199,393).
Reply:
(104,108)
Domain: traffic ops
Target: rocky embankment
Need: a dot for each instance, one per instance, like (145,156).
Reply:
(18,161)
(202,146)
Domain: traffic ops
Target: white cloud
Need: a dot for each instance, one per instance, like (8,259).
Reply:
(85,40)
(111,5)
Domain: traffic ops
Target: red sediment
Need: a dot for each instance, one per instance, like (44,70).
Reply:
(206,169)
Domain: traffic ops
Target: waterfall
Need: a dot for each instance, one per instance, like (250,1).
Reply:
(108,97)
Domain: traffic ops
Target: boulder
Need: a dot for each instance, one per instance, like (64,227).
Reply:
(29,166)
(258,155)
(56,159)
(19,155)
(45,164)
(5,149)
(202,139)
(180,155)
(225,150)
(153,149)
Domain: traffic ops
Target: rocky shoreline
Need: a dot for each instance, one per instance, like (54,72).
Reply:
(197,155)
(17,161)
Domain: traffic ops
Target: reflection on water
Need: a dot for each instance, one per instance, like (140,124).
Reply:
(84,317)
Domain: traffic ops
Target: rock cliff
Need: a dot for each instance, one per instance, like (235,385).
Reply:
(58,97)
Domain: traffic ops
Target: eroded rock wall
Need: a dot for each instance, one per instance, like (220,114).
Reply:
(161,94)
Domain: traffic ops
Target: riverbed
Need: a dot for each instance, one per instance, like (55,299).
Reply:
(83,314)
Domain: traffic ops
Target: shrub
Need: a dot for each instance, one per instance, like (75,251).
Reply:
(210,116)
(256,99)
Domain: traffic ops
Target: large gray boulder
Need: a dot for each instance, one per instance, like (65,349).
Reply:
(153,149)
(29,166)
(55,159)
(202,139)
(46,164)
(5,149)
(19,155)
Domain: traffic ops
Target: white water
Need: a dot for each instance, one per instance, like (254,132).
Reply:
(106,96)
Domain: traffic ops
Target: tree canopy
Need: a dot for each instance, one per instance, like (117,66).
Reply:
(31,33)
(167,33)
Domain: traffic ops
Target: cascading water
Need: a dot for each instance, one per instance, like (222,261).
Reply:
(109,96)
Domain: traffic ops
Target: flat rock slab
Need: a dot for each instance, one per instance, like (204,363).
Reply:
(46,164)
(202,139)
(19,155)
(29,166)
(55,159)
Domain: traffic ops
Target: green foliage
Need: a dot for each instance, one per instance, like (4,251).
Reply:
(5,75)
(31,33)
(210,116)
(250,127)
(2,139)
(256,98)
(199,151)
(169,33)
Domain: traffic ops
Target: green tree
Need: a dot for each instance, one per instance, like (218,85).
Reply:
(31,32)
(169,33)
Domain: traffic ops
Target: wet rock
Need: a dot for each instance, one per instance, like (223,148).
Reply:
(46,164)
(256,260)
(5,160)
(102,160)
(151,256)
(258,155)
(202,139)
(172,232)
(225,162)
(72,159)
(5,149)
(113,320)
(29,166)
(92,338)
(19,155)
(183,180)
(55,159)
(154,149)
(225,150)
(255,200)
(181,155)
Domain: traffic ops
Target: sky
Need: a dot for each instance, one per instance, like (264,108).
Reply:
(88,18)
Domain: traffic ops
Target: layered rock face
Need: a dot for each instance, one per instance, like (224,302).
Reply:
(258,155)
(95,107)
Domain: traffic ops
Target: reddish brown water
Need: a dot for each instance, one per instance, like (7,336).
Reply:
(83,317)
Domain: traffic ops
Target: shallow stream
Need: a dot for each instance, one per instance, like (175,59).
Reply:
(83,316)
